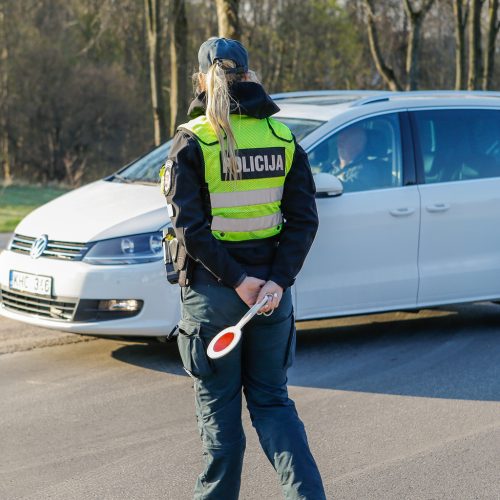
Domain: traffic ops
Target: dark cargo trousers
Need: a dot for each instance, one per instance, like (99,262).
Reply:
(258,365)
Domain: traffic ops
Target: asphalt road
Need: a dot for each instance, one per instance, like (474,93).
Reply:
(396,406)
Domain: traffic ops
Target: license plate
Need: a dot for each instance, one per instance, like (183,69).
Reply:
(33,283)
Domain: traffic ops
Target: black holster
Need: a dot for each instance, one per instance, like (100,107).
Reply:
(178,264)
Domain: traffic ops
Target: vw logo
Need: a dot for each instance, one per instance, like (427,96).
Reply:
(38,246)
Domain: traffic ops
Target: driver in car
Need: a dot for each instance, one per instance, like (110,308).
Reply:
(357,170)
(351,144)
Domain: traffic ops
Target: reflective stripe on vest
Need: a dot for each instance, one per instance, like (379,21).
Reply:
(242,198)
(248,207)
(248,224)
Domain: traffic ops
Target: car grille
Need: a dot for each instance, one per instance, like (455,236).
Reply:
(35,305)
(55,249)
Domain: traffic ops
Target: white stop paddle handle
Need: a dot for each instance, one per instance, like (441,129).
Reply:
(233,333)
(252,312)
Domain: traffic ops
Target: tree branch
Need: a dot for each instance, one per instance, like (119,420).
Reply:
(409,8)
(466,9)
(427,6)
(386,72)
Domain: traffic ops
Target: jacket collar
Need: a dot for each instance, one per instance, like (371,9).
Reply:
(250,99)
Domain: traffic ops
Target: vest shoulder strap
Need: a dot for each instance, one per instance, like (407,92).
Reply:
(280,130)
(200,127)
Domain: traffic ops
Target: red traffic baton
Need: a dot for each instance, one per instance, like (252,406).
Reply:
(226,340)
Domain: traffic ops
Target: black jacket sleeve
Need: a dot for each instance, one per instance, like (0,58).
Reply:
(298,206)
(189,215)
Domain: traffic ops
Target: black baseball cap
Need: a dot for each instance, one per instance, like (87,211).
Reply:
(223,48)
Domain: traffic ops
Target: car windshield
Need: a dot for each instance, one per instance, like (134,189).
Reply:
(300,127)
(147,168)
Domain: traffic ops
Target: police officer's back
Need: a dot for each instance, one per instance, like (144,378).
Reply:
(241,200)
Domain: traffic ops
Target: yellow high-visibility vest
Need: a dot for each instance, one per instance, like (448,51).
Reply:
(250,207)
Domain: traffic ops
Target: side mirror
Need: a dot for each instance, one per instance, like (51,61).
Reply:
(327,185)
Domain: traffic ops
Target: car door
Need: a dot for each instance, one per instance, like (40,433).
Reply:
(458,155)
(364,257)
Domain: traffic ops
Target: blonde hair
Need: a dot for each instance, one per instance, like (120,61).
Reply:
(216,84)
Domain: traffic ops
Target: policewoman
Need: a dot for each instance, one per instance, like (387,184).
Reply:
(240,195)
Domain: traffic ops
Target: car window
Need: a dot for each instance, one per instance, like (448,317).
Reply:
(365,155)
(458,144)
(300,127)
(146,168)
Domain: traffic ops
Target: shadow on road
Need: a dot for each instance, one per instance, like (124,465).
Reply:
(154,355)
(452,356)
(455,356)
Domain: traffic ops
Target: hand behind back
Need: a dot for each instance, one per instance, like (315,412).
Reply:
(249,289)
(275,291)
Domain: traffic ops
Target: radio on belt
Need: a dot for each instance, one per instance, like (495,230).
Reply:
(170,250)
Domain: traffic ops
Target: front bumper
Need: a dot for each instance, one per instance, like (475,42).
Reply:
(75,282)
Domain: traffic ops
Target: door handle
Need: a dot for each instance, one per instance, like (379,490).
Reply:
(438,207)
(401,212)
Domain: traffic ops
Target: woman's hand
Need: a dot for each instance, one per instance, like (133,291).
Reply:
(276,292)
(249,289)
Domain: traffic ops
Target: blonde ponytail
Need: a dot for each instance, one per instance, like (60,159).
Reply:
(218,110)
(216,84)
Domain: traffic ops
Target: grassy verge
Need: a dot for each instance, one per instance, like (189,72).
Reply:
(18,201)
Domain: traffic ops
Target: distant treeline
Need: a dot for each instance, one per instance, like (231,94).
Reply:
(88,85)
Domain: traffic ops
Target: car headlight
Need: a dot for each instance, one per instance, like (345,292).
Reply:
(134,249)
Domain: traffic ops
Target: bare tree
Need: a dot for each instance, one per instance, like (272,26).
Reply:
(491,35)
(4,95)
(385,71)
(153,33)
(460,11)
(416,18)
(227,16)
(178,63)
(475,49)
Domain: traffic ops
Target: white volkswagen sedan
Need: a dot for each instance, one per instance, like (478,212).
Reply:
(408,195)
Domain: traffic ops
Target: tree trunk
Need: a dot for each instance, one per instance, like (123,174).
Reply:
(491,35)
(460,11)
(178,62)
(4,105)
(386,72)
(227,16)
(153,33)
(416,18)
(413,51)
(474,44)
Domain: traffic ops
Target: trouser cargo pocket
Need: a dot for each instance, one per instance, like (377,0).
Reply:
(192,349)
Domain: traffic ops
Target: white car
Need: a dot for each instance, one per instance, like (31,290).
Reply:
(414,224)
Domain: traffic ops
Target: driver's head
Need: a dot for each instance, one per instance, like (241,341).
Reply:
(350,143)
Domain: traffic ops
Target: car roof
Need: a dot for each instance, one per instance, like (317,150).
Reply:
(326,104)
(319,104)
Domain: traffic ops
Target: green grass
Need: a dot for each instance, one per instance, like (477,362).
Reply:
(18,201)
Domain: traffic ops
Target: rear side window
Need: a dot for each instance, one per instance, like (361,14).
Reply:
(458,144)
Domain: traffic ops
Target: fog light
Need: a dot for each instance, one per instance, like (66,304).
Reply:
(120,305)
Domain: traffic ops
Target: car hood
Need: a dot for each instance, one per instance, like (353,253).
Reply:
(99,210)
